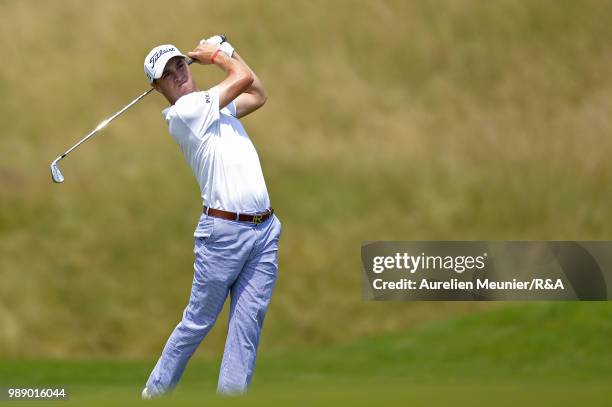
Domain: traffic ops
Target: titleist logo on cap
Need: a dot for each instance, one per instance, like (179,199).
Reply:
(158,54)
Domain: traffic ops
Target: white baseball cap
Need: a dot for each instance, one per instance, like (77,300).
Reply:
(156,60)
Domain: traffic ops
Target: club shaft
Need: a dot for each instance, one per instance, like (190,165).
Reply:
(106,122)
(110,119)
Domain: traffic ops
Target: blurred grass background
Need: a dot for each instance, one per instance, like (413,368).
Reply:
(386,120)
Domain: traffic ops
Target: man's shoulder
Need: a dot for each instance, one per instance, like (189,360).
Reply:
(199,95)
(187,99)
(195,110)
(203,98)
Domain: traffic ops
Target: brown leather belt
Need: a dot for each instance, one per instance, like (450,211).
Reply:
(241,217)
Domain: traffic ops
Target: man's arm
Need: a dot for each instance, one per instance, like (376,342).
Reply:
(254,97)
(238,79)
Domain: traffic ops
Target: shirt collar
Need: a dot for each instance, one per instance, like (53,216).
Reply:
(166,112)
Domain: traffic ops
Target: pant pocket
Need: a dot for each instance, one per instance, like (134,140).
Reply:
(205,228)
(279,225)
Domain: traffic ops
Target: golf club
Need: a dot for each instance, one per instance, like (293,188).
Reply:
(56,173)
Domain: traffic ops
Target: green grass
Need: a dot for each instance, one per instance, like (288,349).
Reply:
(526,354)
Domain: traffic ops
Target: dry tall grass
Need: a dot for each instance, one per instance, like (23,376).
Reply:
(386,120)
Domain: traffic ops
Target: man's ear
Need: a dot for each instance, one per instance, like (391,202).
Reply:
(155,85)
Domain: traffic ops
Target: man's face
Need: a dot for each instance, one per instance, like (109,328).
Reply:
(176,80)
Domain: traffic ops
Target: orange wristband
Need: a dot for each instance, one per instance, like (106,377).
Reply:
(215,55)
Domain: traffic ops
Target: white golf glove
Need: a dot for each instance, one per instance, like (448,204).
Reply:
(215,40)
(219,40)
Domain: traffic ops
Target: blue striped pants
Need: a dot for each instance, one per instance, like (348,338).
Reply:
(235,258)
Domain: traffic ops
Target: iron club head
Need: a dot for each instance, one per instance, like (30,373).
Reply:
(56,174)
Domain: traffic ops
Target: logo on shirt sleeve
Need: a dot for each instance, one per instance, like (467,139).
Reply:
(206,97)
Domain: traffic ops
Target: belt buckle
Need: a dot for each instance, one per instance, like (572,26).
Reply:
(257,219)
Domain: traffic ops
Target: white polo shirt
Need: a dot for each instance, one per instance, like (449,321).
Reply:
(219,152)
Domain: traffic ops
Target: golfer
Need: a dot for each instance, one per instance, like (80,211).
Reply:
(236,238)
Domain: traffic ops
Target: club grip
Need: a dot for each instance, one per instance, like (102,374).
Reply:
(223,38)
